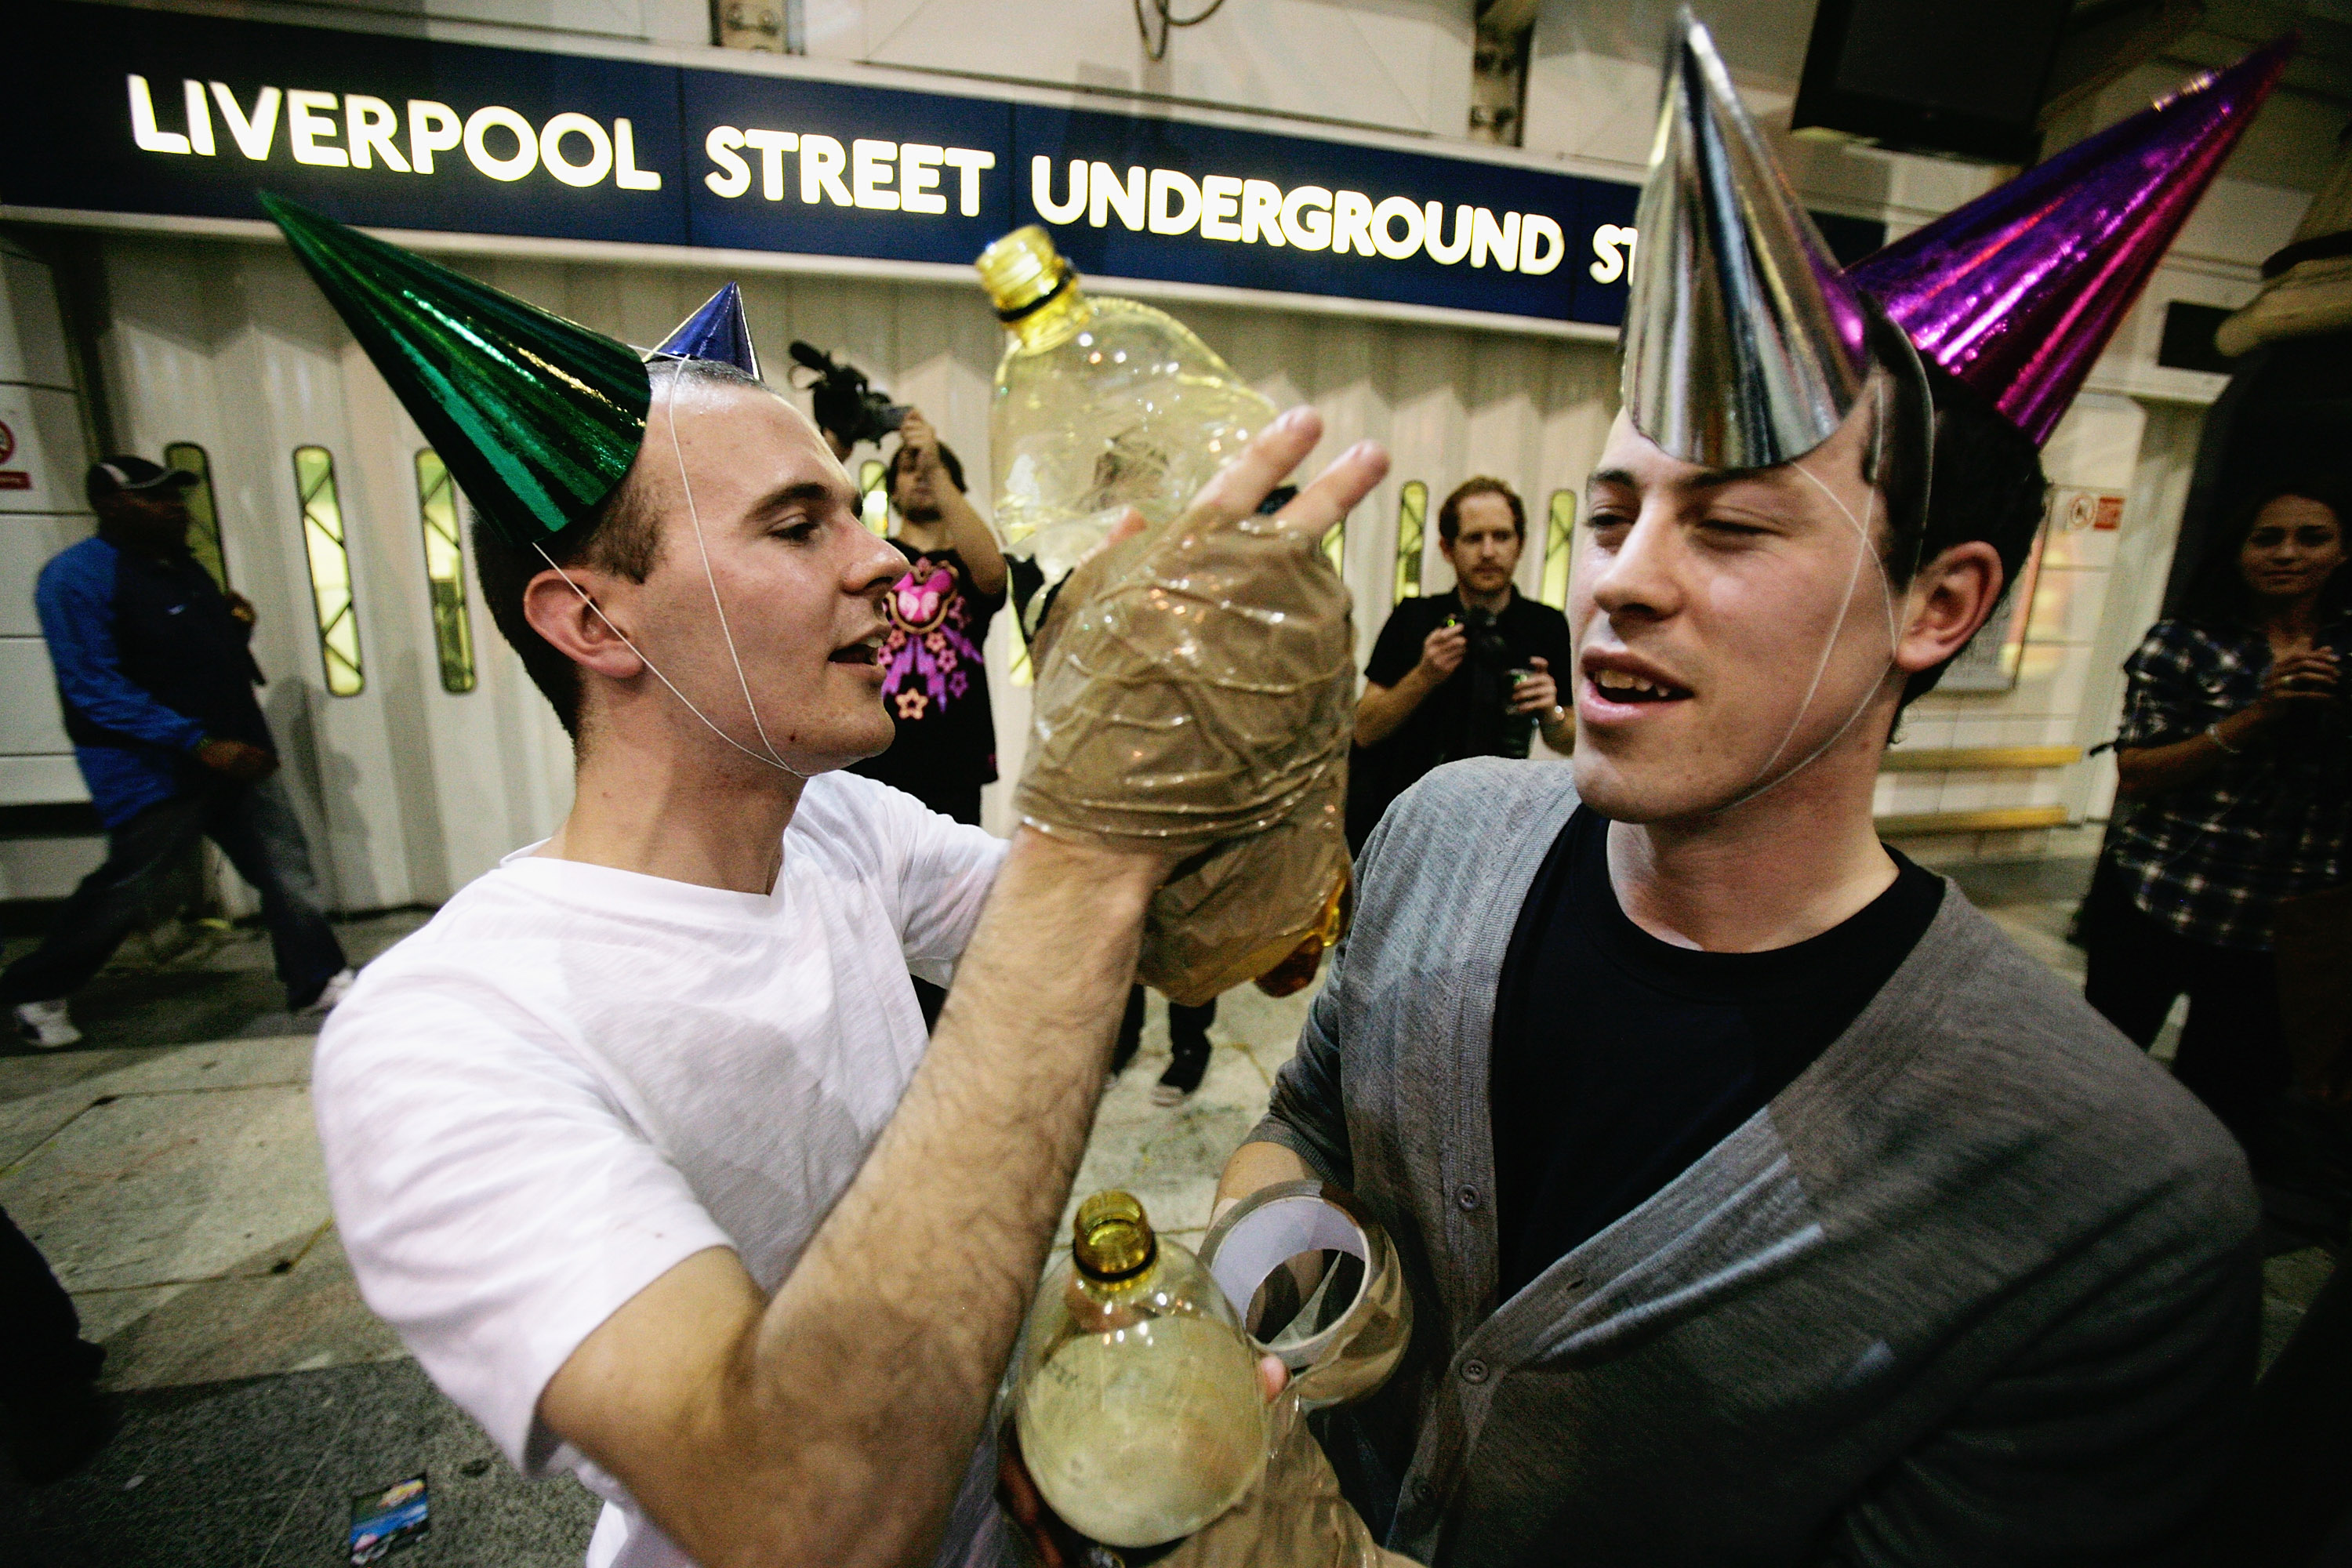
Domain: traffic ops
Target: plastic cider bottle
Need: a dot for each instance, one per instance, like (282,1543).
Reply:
(1141,1412)
(1100,404)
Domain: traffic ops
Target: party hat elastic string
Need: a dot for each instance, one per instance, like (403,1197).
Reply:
(1865,549)
(597,610)
(669,408)
(1819,670)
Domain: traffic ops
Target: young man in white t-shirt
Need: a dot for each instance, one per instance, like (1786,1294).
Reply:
(639,1143)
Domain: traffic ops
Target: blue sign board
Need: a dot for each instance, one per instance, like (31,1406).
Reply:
(395,132)
(161,112)
(1200,203)
(781,164)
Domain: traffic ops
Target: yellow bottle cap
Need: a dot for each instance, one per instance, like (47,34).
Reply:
(1113,1239)
(1022,272)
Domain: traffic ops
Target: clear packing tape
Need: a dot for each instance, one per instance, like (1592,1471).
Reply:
(1195,688)
(1337,1350)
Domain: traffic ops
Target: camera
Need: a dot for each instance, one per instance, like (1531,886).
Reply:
(845,401)
(1484,634)
(1495,677)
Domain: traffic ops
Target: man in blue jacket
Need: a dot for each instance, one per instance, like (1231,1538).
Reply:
(156,681)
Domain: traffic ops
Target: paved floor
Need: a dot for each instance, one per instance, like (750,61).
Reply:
(168,1169)
(259,1472)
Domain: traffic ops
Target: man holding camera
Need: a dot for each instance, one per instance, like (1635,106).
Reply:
(1466,673)
(935,683)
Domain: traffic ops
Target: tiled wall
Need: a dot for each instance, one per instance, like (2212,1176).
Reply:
(42,511)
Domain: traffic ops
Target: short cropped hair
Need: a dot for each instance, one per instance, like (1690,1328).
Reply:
(623,538)
(1449,514)
(1984,482)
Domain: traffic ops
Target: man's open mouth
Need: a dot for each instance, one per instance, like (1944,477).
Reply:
(1620,686)
(865,651)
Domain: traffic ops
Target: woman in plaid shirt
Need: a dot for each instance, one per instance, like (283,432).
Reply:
(2235,766)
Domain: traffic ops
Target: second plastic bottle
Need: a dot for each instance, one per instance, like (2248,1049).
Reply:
(1139,1409)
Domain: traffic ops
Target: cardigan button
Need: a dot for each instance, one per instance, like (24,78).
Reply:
(1467,1198)
(1473,1370)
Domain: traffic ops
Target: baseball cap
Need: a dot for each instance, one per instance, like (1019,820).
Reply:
(127,473)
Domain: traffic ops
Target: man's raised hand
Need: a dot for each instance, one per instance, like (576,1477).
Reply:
(1242,484)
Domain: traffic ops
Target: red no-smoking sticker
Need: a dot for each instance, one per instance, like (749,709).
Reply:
(11,478)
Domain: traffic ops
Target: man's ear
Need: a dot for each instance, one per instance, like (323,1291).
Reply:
(1950,597)
(557,612)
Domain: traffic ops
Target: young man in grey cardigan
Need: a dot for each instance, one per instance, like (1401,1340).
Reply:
(1760,1201)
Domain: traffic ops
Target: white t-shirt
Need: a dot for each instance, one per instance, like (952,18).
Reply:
(573,1078)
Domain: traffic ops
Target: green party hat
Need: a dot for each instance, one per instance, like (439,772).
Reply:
(538,417)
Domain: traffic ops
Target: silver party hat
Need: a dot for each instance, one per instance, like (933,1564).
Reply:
(1743,344)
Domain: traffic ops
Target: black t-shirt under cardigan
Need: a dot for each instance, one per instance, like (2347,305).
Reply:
(1619,1059)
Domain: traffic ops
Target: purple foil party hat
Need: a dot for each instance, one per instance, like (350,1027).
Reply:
(2018,292)
(717,331)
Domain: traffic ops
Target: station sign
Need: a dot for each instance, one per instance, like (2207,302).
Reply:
(167,113)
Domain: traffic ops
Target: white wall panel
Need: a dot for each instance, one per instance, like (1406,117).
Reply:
(32,335)
(46,867)
(414,790)
(49,780)
(30,722)
(410,791)
(43,457)
(27,540)
(356,772)
(1403,65)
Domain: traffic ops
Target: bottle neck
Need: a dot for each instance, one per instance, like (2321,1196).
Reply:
(1054,321)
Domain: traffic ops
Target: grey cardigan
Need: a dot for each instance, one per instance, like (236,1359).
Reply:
(1978,1287)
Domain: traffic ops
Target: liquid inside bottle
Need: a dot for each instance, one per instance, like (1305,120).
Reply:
(1140,1414)
(1100,404)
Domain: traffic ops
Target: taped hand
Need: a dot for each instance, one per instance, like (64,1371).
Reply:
(1195,689)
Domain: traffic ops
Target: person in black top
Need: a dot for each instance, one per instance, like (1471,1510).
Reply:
(53,1420)
(1467,673)
(935,681)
